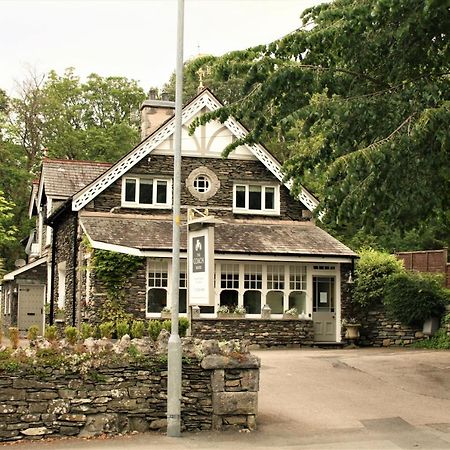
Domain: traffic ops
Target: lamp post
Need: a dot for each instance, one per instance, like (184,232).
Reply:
(174,348)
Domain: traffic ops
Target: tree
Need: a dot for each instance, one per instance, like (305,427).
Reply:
(359,96)
(7,228)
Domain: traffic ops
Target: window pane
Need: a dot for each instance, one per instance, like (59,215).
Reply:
(161,192)
(157,299)
(297,300)
(130,190)
(229,298)
(275,300)
(146,192)
(254,198)
(183,297)
(270,198)
(240,196)
(252,302)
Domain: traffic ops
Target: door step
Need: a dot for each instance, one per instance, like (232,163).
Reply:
(328,344)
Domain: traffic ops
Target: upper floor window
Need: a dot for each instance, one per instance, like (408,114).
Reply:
(146,192)
(256,199)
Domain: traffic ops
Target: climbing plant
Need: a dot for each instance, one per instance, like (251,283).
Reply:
(113,269)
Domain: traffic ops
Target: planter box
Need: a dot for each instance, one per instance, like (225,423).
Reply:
(290,317)
(230,316)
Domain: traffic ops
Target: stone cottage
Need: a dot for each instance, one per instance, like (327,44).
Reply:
(267,249)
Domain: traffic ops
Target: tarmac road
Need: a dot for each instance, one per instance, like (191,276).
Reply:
(313,399)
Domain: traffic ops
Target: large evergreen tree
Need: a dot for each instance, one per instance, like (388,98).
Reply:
(358,98)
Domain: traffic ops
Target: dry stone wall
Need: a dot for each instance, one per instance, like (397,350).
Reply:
(261,332)
(219,391)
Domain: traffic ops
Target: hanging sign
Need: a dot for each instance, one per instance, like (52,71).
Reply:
(201,266)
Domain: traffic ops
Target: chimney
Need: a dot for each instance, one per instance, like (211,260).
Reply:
(154,112)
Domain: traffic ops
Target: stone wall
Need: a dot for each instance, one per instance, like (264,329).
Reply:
(265,333)
(218,392)
(228,171)
(379,331)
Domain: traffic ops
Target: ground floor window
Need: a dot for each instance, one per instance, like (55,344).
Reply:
(157,285)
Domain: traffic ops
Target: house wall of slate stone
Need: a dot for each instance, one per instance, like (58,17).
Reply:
(65,251)
(228,171)
(218,393)
(265,333)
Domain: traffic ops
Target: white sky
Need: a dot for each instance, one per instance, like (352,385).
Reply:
(131,38)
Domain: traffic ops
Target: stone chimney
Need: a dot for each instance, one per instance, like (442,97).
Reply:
(154,112)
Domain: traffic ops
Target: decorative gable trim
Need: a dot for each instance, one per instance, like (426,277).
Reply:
(204,99)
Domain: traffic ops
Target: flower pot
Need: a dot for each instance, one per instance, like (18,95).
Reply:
(166,315)
(352,331)
(290,316)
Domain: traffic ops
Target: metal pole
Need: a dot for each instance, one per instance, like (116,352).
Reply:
(174,350)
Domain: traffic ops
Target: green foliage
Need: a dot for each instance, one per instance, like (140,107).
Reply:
(106,329)
(412,298)
(183,326)
(33,333)
(154,328)
(359,105)
(71,334)
(137,329)
(440,340)
(133,351)
(51,333)
(14,335)
(167,325)
(87,330)
(122,328)
(7,228)
(372,271)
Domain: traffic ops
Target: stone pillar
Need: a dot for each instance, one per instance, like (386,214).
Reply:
(235,385)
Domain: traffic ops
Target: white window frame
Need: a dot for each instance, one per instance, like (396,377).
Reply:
(62,273)
(154,204)
(263,211)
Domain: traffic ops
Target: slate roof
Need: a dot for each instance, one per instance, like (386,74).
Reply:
(64,177)
(237,237)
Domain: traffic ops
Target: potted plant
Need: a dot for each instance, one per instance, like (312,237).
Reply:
(166,313)
(291,313)
(240,311)
(352,326)
(223,312)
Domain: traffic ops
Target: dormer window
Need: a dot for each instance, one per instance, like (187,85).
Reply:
(140,192)
(256,199)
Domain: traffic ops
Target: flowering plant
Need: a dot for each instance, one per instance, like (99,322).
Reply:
(292,312)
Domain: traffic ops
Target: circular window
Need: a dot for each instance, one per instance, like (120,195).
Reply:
(202,183)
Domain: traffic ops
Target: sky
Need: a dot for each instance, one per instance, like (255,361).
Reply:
(131,38)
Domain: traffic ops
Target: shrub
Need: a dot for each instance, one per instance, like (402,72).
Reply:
(122,328)
(51,333)
(167,325)
(183,325)
(33,333)
(14,337)
(106,329)
(71,334)
(412,298)
(87,330)
(137,329)
(154,328)
(440,340)
(372,271)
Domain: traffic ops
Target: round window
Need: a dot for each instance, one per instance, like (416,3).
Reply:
(202,184)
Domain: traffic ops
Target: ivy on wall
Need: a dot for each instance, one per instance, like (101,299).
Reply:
(114,269)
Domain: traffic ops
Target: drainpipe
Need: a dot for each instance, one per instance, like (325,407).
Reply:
(74,270)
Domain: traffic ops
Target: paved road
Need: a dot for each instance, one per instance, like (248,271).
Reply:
(316,399)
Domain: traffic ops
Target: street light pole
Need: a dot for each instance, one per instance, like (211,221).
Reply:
(174,349)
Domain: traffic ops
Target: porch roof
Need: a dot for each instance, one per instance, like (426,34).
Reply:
(146,233)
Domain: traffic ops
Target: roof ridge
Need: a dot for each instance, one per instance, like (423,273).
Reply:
(78,161)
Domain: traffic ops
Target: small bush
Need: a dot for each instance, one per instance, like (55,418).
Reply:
(33,333)
(137,329)
(167,325)
(412,298)
(14,337)
(106,329)
(122,328)
(183,325)
(154,328)
(71,334)
(441,340)
(87,330)
(372,272)
(51,333)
